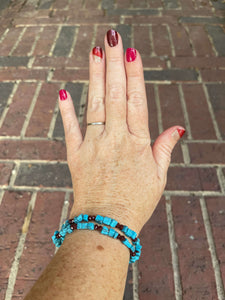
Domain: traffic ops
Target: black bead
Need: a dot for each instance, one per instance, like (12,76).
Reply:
(58,235)
(100,228)
(91,218)
(71,221)
(73,226)
(119,226)
(96,227)
(135,240)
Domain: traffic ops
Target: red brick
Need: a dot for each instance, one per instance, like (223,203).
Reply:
(192,179)
(170,106)
(38,21)
(21,288)
(21,149)
(216,210)
(71,75)
(27,41)
(6,169)
(82,47)
(61,4)
(187,5)
(155,267)
(44,110)
(150,20)
(213,75)
(39,248)
(100,34)
(197,276)
(197,62)
(199,116)
(9,41)
(12,73)
(200,41)
(50,62)
(180,41)
(85,17)
(161,45)
(3,287)
(139,4)
(16,114)
(92,4)
(142,40)
(155,3)
(207,153)
(45,41)
(77,5)
(153,62)
(12,214)
(123,4)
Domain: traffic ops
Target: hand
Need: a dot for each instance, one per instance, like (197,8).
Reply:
(115,171)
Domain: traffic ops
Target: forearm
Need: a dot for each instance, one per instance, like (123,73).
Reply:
(88,265)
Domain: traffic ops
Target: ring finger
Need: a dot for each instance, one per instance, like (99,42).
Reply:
(96,93)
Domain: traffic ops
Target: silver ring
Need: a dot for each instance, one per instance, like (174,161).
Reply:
(96,123)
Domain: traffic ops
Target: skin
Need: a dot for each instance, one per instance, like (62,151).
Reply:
(115,173)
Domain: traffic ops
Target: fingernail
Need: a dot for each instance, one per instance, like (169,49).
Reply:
(97,54)
(62,95)
(131,54)
(178,133)
(112,38)
(181,131)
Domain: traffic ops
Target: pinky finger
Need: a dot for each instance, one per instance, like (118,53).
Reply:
(71,126)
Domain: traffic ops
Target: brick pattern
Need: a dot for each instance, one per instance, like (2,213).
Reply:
(44,46)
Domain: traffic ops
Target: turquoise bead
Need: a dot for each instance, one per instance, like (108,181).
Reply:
(85,218)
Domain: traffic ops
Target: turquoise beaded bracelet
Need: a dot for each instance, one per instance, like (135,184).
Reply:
(70,225)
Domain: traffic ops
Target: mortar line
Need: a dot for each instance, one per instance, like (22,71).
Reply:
(76,30)
(159,113)
(171,40)
(30,62)
(10,99)
(221,179)
(14,174)
(64,161)
(211,42)
(64,213)
(135,275)
(35,41)
(190,41)
(65,189)
(152,53)
(54,117)
(173,248)
(211,112)
(212,249)
(94,37)
(185,152)
(30,110)
(18,41)
(55,40)
(184,108)
(20,247)
(4,35)
(1,195)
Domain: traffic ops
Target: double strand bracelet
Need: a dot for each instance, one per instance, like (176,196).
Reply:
(76,223)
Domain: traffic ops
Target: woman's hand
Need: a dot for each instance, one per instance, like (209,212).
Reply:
(115,171)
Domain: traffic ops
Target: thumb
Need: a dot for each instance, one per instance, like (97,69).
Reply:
(163,148)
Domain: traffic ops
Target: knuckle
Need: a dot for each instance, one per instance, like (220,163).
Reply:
(116,91)
(115,59)
(136,98)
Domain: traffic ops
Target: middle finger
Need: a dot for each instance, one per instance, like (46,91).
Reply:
(115,102)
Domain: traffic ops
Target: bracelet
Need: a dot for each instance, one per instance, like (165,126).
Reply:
(70,225)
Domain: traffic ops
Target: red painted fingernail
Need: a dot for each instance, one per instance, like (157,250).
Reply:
(131,54)
(62,95)
(181,132)
(97,53)
(112,38)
